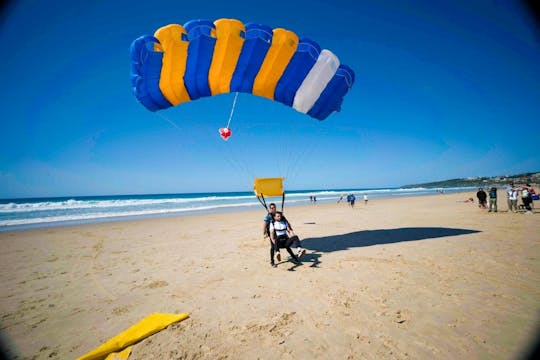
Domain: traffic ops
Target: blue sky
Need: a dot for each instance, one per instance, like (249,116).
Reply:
(443,90)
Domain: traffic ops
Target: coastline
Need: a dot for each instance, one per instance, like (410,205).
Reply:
(35,213)
(417,277)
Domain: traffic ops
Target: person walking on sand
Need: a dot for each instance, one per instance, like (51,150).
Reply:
(493,199)
(365,199)
(351,199)
(482,196)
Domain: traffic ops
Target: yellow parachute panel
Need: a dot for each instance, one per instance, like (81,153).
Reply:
(175,51)
(230,38)
(284,44)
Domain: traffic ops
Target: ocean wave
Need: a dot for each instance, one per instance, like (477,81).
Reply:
(35,212)
(92,204)
(135,213)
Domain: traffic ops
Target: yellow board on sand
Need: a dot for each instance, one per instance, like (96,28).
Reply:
(144,328)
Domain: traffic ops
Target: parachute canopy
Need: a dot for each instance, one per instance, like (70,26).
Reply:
(204,58)
(269,187)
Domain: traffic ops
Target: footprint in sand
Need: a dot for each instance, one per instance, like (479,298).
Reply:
(156,284)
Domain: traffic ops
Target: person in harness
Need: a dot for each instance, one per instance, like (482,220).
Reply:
(268,219)
(279,231)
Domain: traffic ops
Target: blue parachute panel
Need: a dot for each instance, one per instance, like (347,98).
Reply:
(257,42)
(302,61)
(332,96)
(201,37)
(145,73)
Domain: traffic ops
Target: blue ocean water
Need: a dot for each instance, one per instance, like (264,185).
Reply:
(17,214)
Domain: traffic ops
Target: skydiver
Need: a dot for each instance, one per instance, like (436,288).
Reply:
(279,237)
(268,219)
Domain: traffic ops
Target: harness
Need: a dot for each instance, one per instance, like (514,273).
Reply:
(272,221)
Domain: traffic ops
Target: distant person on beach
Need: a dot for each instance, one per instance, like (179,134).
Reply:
(351,199)
(526,198)
(513,199)
(493,199)
(482,196)
(279,236)
(508,191)
(533,194)
(365,199)
(340,198)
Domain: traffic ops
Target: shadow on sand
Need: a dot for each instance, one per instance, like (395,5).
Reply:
(316,246)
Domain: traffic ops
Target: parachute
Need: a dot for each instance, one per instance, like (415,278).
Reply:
(269,187)
(204,58)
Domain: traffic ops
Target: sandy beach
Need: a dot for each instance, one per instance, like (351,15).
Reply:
(404,278)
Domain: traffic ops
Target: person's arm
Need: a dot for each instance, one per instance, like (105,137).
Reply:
(265,224)
(288,223)
(271,231)
(289,229)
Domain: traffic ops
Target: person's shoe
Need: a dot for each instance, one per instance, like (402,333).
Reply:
(296,261)
(273,265)
(278,256)
(301,252)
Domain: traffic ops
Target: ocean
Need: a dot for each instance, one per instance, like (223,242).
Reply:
(28,213)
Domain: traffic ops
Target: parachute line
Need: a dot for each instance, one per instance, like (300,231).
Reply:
(232,109)
(167,120)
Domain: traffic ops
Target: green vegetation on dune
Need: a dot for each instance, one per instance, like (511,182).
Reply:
(525,178)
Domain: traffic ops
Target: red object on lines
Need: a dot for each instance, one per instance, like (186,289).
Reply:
(225,133)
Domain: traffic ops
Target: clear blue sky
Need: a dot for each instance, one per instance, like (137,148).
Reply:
(443,89)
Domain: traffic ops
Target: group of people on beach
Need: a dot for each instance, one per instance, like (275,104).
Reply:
(513,193)
(351,199)
(281,235)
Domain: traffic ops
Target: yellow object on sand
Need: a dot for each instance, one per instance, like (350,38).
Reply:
(144,328)
(122,355)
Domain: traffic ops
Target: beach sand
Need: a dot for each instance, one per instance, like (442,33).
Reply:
(403,278)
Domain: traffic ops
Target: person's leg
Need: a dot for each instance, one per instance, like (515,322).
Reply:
(295,258)
(280,244)
(527,204)
(272,249)
(295,241)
